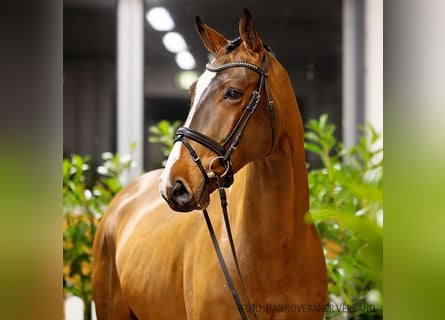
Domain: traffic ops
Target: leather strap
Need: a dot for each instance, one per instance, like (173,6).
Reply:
(236,298)
(222,151)
(222,262)
(223,198)
(200,138)
(235,64)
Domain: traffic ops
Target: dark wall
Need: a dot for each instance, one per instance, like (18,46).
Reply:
(306,40)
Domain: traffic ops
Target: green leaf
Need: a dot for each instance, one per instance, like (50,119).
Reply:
(314,148)
(312,136)
(323,120)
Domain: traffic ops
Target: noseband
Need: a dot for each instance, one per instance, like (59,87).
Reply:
(225,150)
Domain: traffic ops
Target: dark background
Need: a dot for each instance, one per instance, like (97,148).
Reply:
(306,37)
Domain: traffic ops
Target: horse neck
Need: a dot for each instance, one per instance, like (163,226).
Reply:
(270,214)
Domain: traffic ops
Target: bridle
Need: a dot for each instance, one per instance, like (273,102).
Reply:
(223,152)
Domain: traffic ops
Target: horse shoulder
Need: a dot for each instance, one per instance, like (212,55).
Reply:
(108,295)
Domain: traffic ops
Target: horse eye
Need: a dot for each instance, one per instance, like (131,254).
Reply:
(232,94)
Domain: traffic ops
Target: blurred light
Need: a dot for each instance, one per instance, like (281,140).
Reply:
(185,60)
(174,42)
(160,19)
(184,79)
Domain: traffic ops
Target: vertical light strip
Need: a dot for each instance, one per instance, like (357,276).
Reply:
(352,70)
(130,94)
(374,64)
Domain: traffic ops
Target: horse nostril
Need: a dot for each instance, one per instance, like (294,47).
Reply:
(180,195)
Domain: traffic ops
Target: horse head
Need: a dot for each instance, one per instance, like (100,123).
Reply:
(230,123)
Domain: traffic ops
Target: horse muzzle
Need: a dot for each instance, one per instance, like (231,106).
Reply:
(180,196)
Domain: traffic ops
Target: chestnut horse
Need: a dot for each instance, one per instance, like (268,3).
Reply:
(244,126)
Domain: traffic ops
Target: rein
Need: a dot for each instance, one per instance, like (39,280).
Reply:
(224,152)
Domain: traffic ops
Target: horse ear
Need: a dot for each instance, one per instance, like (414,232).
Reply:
(248,33)
(212,39)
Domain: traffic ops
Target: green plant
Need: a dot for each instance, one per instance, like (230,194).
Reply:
(346,197)
(84,201)
(346,207)
(164,133)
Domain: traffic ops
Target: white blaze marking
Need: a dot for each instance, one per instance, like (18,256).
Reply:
(203,82)
(172,158)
